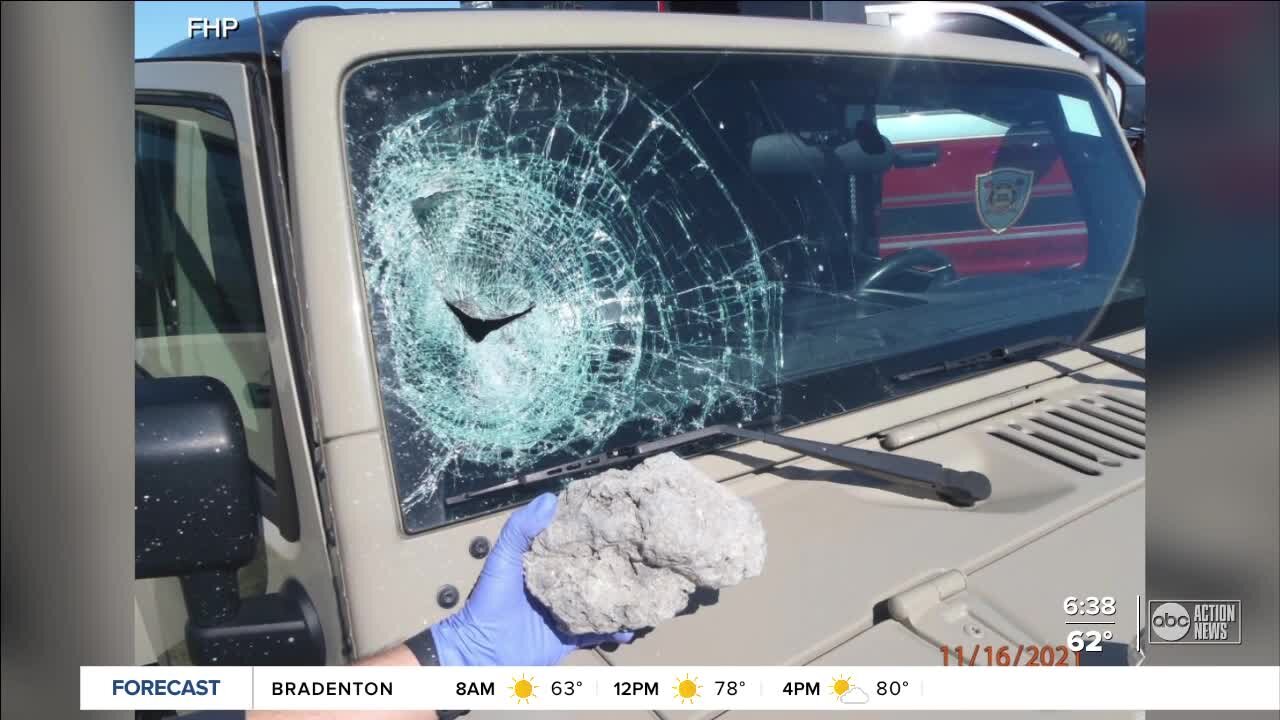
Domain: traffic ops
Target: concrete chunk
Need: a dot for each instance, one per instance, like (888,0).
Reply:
(627,547)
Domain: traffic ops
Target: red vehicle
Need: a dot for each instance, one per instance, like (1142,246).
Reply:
(990,198)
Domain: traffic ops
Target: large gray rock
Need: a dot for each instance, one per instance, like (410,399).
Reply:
(627,547)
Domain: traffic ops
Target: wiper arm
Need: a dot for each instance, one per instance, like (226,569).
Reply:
(960,488)
(1009,353)
(1135,365)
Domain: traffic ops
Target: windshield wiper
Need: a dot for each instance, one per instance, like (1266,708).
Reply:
(1010,353)
(1135,365)
(959,488)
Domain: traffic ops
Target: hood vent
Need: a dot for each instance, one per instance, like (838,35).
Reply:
(1087,434)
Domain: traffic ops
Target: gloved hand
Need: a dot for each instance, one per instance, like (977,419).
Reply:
(501,624)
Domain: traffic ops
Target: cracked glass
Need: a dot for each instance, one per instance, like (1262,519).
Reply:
(565,253)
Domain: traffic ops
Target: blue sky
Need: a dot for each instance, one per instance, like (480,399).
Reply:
(157,25)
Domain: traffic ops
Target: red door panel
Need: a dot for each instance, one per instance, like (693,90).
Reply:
(937,206)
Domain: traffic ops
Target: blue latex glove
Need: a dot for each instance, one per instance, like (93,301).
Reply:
(501,624)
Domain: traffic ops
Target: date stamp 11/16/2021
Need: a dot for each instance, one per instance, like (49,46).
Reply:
(1010,655)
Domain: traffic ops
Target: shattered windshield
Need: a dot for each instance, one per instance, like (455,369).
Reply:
(568,252)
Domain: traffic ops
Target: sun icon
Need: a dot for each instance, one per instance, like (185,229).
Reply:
(840,685)
(687,688)
(522,688)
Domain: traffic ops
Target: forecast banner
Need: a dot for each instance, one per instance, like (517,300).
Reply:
(672,688)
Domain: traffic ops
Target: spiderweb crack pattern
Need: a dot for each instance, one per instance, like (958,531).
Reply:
(555,189)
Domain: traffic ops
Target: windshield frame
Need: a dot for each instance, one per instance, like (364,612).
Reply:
(971,344)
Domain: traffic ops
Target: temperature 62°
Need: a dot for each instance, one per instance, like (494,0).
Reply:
(1087,640)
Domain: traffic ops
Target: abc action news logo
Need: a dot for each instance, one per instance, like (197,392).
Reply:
(1194,622)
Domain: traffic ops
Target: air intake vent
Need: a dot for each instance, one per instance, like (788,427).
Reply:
(1087,434)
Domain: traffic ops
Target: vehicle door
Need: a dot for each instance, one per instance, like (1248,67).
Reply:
(208,296)
(990,197)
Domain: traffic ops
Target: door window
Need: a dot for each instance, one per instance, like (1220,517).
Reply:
(197,306)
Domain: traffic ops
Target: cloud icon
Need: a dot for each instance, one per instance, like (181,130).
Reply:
(854,696)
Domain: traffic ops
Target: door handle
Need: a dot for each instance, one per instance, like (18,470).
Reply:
(919,157)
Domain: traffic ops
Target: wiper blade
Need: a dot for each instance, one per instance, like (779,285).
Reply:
(960,488)
(1010,353)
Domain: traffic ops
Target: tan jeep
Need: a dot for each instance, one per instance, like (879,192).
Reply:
(430,253)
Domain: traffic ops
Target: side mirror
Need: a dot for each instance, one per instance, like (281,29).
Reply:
(196,517)
(195,504)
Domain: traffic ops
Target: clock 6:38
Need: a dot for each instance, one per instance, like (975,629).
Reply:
(1091,605)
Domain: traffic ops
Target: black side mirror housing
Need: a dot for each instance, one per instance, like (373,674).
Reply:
(195,502)
(196,517)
